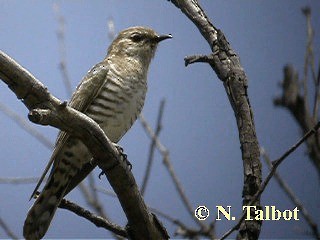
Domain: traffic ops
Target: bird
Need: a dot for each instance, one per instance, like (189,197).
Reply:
(114,103)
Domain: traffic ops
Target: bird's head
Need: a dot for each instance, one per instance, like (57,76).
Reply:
(136,42)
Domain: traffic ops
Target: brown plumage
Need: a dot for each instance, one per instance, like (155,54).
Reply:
(114,102)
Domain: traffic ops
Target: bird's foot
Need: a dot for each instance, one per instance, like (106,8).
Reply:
(123,157)
(101,174)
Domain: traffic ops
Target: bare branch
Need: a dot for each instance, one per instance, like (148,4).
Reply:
(95,202)
(146,126)
(183,230)
(295,200)
(17,180)
(275,165)
(309,60)
(152,148)
(295,103)
(45,109)
(26,126)
(180,189)
(62,48)
(226,64)
(309,48)
(96,220)
(167,162)
(7,230)
(197,59)
(195,13)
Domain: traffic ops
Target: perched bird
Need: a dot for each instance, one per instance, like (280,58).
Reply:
(114,104)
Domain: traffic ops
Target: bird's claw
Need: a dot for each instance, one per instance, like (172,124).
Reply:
(123,157)
(101,174)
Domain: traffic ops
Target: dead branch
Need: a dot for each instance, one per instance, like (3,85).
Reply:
(295,103)
(295,99)
(226,64)
(177,184)
(7,230)
(152,148)
(96,220)
(275,164)
(292,196)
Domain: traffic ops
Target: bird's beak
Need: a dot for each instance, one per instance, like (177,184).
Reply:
(163,37)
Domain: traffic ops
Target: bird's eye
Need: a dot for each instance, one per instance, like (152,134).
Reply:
(136,37)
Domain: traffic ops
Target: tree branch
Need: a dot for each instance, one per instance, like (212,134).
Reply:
(225,62)
(96,220)
(62,48)
(292,100)
(177,184)
(7,230)
(152,148)
(25,125)
(275,164)
(45,109)
(294,199)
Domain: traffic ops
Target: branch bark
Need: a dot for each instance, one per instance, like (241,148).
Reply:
(45,109)
(226,64)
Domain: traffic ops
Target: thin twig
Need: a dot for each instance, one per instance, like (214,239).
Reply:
(183,230)
(167,162)
(152,148)
(292,196)
(19,180)
(25,125)
(306,12)
(146,126)
(96,220)
(275,165)
(62,49)
(7,230)
(94,196)
(106,192)
(310,35)
(309,60)
(181,226)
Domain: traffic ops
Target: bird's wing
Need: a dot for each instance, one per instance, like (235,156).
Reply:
(86,91)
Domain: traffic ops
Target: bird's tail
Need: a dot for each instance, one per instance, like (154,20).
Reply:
(43,210)
(68,162)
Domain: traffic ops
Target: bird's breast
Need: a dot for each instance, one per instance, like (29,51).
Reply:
(119,103)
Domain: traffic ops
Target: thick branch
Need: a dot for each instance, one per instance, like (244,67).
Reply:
(225,62)
(45,109)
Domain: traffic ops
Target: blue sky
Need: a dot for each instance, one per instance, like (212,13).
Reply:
(199,127)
